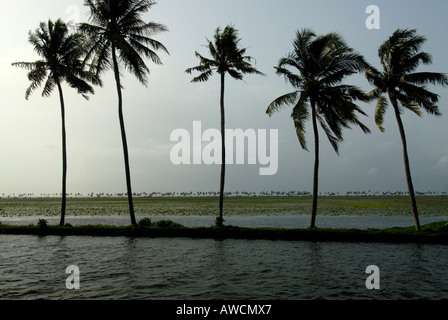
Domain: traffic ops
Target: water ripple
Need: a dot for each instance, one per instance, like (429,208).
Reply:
(33,267)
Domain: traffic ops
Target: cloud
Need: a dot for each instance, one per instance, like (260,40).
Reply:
(151,147)
(443,161)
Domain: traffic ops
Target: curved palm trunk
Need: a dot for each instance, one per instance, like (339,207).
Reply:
(220,220)
(64,157)
(406,163)
(123,138)
(316,167)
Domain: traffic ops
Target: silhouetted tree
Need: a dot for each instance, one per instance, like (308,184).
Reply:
(226,57)
(61,60)
(400,55)
(119,36)
(316,68)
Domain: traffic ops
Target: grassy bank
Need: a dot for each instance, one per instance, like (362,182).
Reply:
(431,233)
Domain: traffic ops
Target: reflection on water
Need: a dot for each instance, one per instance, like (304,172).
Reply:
(33,267)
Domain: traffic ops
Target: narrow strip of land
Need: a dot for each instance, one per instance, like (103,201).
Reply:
(431,233)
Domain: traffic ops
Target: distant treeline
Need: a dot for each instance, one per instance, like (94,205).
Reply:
(216,194)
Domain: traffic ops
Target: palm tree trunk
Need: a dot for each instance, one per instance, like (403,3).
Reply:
(64,157)
(406,163)
(220,220)
(123,137)
(316,167)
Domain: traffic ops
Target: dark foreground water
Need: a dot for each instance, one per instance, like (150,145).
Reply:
(33,267)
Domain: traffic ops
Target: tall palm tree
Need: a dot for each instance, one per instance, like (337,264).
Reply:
(61,54)
(316,68)
(400,55)
(119,36)
(226,57)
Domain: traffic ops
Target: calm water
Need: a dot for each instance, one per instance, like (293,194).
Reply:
(33,267)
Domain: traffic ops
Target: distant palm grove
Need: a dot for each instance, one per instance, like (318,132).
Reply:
(116,38)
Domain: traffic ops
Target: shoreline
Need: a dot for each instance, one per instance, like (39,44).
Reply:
(433,233)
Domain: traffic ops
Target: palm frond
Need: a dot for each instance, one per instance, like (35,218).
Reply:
(400,55)
(205,68)
(300,115)
(203,77)
(412,107)
(132,7)
(60,53)
(316,68)
(141,43)
(244,65)
(291,60)
(82,86)
(354,120)
(37,74)
(421,78)
(48,87)
(294,79)
(301,44)
(25,65)
(132,61)
(148,29)
(419,96)
(380,110)
(33,86)
(100,61)
(119,25)
(408,63)
(376,78)
(282,101)
(200,68)
(235,74)
(334,141)
(374,94)
(226,57)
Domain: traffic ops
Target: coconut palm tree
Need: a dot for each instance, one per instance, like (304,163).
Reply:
(119,36)
(61,60)
(400,56)
(316,68)
(226,57)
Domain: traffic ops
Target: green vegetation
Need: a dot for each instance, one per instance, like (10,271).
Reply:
(42,224)
(430,206)
(167,224)
(145,222)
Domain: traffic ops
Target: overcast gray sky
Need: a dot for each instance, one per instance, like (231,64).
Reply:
(30,131)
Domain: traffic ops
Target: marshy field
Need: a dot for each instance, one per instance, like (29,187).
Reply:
(340,218)
(394,206)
